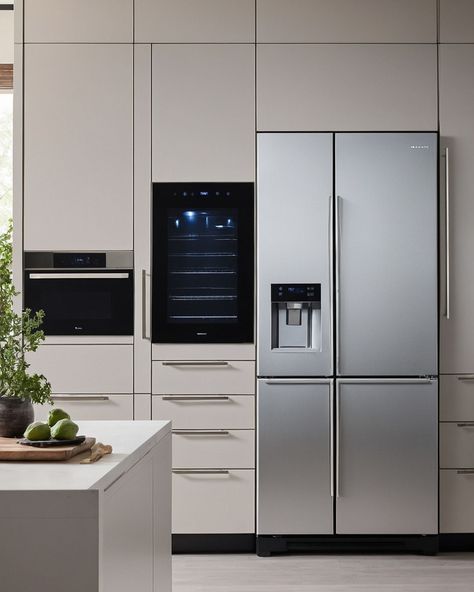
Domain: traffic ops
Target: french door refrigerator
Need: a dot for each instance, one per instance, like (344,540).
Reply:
(347,341)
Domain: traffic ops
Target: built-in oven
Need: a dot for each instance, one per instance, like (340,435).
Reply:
(203,263)
(81,293)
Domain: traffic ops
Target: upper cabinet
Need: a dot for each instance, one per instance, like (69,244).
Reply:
(346,87)
(78,21)
(456,21)
(203,115)
(346,21)
(194,21)
(78,147)
(456,111)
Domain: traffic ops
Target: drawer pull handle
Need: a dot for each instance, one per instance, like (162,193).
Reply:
(466,377)
(201,432)
(466,424)
(465,472)
(80,398)
(196,398)
(203,363)
(200,472)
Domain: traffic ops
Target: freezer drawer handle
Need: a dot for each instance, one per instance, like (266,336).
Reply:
(200,472)
(78,276)
(297,381)
(466,424)
(80,398)
(201,432)
(195,398)
(465,472)
(199,363)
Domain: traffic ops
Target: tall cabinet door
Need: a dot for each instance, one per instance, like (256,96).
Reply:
(386,252)
(456,103)
(294,457)
(294,196)
(386,450)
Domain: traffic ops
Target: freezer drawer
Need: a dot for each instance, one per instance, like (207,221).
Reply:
(456,501)
(213,502)
(194,449)
(456,445)
(294,465)
(386,254)
(205,412)
(386,451)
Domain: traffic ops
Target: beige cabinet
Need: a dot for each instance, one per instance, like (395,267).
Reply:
(346,87)
(78,147)
(213,502)
(93,407)
(81,21)
(81,369)
(346,21)
(456,397)
(456,512)
(456,21)
(456,445)
(203,124)
(456,106)
(176,377)
(194,21)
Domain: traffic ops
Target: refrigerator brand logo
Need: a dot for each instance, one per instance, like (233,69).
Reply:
(419,147)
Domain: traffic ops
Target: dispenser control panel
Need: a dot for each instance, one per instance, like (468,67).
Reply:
(296,292)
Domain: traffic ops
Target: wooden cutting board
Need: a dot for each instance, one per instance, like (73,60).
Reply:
(10,449)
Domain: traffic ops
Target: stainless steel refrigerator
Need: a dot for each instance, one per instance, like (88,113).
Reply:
(347,340)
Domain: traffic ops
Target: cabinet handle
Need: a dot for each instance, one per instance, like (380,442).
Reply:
(198,363)
(195,398)
(200,471)
(447,312)
(386,381)
(465,472)
(80,398)
(78,276)
(466,377)
(466,424)
(201,432)
(144,306)
(297,381)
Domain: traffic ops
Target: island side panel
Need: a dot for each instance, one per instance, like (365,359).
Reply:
(162,514)
(49,541)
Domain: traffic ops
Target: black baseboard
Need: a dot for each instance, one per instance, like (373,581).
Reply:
(213,543)
(269,545)
(456,542)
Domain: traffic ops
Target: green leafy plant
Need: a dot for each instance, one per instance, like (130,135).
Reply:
(19,334)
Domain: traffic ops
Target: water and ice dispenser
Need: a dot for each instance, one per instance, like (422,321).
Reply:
(296,316)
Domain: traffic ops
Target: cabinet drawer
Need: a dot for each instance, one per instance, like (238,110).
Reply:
(201,377)
(214,449)
(456,397)
(82,407)
(206,412)
(85,368)
(213,502)
(456,445)
(456,501)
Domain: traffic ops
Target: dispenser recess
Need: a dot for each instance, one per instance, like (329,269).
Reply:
(296,316)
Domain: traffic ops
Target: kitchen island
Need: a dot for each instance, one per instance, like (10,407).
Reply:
(102,527)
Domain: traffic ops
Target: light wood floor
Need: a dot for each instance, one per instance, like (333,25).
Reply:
(450,572)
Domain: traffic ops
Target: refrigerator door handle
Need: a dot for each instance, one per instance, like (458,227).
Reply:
(331,277)
(338,438)
(447,312)
(338,280)
(386,380)
(331,436)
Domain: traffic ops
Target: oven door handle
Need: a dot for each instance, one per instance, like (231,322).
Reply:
(78,276)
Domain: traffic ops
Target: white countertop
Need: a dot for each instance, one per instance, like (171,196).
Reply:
(130,441)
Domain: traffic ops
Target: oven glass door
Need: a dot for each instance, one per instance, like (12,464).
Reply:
(203,263)
(82,302)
